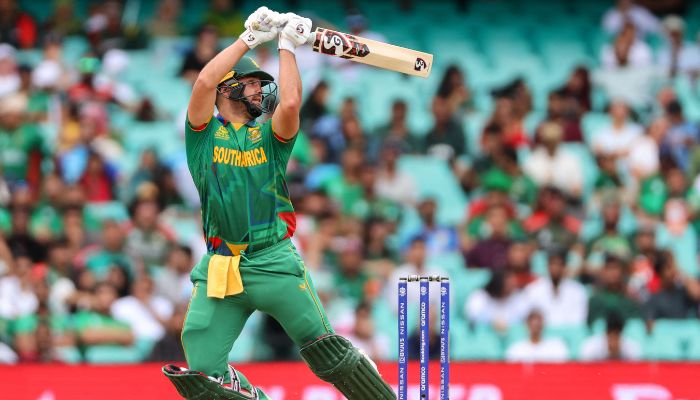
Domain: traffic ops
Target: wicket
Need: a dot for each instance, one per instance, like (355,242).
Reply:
(424,318)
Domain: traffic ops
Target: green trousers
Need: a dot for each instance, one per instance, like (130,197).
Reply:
(275,281)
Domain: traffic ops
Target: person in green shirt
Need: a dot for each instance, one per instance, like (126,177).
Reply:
(96,326)
(611,294)
(21,144)
(239,168)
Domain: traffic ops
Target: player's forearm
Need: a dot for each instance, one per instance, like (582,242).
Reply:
(221,64)
(290,83)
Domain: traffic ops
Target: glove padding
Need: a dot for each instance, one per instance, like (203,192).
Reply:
(262,26)
(295,33)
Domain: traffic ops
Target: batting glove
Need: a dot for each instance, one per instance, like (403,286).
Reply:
(261,26)
(295,33)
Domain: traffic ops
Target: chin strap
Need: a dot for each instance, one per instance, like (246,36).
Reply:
(252,109)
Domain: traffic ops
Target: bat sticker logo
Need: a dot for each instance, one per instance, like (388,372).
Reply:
(334,43)
(340,45)
(420,64)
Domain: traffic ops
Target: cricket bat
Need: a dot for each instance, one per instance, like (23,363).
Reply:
(371,52)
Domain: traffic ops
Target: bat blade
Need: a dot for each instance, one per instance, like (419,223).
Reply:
(372,52)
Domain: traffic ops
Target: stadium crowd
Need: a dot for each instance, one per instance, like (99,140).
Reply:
(93,265)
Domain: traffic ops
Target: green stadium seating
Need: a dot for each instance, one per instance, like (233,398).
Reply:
(683,247)
(434,179)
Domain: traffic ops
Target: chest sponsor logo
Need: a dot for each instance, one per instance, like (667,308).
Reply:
(222,133)
(236,158)
(254,135)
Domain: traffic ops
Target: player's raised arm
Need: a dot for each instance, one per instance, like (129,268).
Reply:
(261,26)
(285,120)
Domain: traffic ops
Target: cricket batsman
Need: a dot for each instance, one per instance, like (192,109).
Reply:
(238,166)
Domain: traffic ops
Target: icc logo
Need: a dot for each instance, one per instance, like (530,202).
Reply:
(443,291)
(420,64)
(423,290)
(402,292)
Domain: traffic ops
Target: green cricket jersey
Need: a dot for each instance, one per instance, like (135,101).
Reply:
(239,172)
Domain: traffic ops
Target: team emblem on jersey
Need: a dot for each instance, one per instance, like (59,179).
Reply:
(254,135)
(221,133)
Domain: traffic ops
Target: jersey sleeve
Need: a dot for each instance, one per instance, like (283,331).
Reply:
(282,147)
(197,141)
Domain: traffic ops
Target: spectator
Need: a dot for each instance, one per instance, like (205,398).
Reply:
(439,239)
(627,12)
(97,180)
(39,336)
(173,281)
(169,348)
(627,71)
(610,241)
(678,57)
(109,253)
(205,49)
(396,133)
(23,146)
(146,313)
(499,304)
(166,23)
(63,22)
(643,159)
(678,295)
(562,300)
(446,138)
(106,29)
(96,326)
(17,27)
(576,94)
(148,241)
(617,138)
(10,81)
(510,118)
(315,106)
(564,110)
(351,280)
(393,184)
(610,296)
(608,184)
(62,294)
(225,16)
(519,254)
(680,138)
(549,164)
(17,298)
(536,348)
(643,280)
(492,252)
(415,263)
(454,90)
(612,346)
(365,337)
(551,225)
(346,190)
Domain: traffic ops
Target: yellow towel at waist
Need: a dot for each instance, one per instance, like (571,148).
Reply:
(224,276)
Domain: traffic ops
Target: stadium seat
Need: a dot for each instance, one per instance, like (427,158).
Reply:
(683,247)
(434,179)
(573,336)
(479,347)
(113,355)
(112,210)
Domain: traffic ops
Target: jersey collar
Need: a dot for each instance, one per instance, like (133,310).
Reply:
(236,126)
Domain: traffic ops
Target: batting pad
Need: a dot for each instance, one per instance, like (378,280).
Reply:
(335,360)
(194,385)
